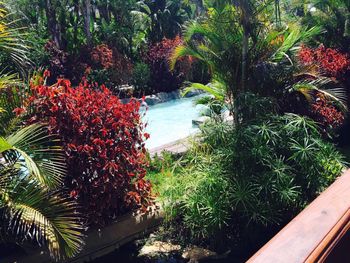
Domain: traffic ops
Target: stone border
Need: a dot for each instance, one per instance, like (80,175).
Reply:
(176,147)
(162,97)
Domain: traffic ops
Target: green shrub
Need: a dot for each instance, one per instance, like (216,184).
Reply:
(259,175)
(140,78)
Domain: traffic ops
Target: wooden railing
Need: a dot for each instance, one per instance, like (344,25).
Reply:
(314,234)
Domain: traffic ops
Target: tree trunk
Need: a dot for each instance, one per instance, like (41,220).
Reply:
(87,21)
(52,23)
(245,46)
(245,41)
(103,9)
(76,23)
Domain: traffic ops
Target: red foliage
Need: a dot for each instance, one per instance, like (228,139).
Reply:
(58,58)
(102,55)
(329,61)
(158,58)
(104,145)
(162,50)
(326,114)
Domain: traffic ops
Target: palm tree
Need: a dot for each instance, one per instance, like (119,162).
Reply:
(232,53)
(32,169)
(165,17)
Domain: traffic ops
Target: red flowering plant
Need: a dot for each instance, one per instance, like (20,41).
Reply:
(331,67)
(102,55)
(163,79)
(326,114)
(104,146)
(108,66)
(330,62)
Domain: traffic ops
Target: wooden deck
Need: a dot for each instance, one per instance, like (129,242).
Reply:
(315,232)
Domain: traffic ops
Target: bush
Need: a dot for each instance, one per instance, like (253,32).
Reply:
(329,61)
(57,59)
(162,79)
(104,145)
(258,176)
(326,114)
(140,79)
(102,56)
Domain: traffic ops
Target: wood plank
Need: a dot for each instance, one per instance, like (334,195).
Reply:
(309,234)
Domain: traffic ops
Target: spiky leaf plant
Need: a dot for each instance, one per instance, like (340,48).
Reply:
(258,175)
(33,207)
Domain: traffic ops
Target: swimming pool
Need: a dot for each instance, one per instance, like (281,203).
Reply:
(171,121)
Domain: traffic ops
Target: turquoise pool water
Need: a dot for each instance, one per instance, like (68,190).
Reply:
(171,121)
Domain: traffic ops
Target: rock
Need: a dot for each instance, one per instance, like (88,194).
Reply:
(196,254)
(152,100)
(127,88)
(227,117)
(176,95)
(157,247)
(163,96)
(200,120)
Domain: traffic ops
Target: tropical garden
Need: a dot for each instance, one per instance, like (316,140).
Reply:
(274,79)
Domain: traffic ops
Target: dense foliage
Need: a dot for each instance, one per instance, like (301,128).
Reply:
(327,60)
(255,177)
(278,74)
(104,146)
(78,33)
(33,206)
(163,79)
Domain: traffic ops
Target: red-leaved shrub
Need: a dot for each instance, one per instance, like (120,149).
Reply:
(326,114)
(102,55)
(104,145)
(330,62)
(158,58)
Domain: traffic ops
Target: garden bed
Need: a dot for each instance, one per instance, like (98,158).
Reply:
(100,242)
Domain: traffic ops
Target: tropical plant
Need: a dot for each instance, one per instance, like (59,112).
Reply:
(32,169)
(104,146)
(141,79)
(332,15)
(165,17)
(219,41)
(162,78)
(12,46)
(257,176)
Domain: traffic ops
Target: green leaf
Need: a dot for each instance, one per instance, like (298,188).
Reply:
(4,145)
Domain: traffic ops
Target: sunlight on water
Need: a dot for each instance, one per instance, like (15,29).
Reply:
(171,121)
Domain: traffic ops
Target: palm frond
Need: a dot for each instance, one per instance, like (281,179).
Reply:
(293,37)
(182,51)
(336,94)
(9,80)
(49,219)
(10,41)
(41,154)
(217,89)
